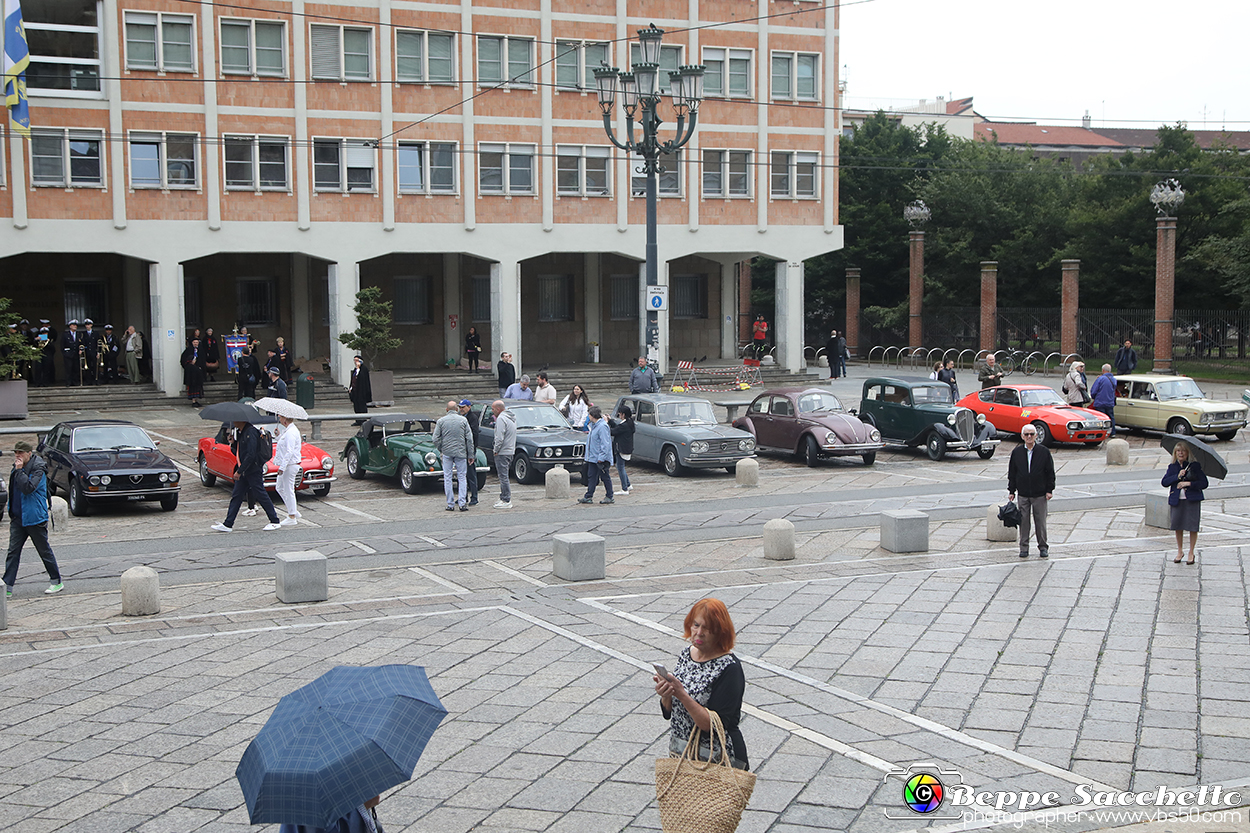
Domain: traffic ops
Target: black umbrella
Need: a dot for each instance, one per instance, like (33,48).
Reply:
(1212,463)
(235,412)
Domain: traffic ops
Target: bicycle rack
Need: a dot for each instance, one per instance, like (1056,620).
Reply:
(1068,359)
(960,361)
(870,352)
(885,357)
(1029,366)
(928,357)
(946,354)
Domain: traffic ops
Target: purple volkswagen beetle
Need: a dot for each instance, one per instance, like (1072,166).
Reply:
(809,423)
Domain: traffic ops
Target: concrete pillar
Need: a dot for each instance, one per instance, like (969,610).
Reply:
(728,310)
(1165,285)
(1068,334)
(989,305)
(344,283)
(505,311)
(556,482)
(134,299)
(301,171)
(593,309)
(915,328)
(578,556)
(453,340)
(996,530)
(166,294)
(1117,452)
(17,179)
(779,540)
(852,312)
(301,295)
(747,472)
(744,301)
(141,592)
(789,314)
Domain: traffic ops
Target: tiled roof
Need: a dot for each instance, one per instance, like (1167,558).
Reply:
(1017,133)
(1207,139)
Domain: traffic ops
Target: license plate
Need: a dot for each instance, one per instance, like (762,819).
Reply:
(134,497)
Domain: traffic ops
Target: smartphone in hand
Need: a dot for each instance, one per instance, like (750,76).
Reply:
(662,671)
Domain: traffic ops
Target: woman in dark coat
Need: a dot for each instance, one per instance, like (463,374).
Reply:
(358,389)
(212,354)
(249,374)
(623,443)
(473,346)
(194,372)
(1185,480)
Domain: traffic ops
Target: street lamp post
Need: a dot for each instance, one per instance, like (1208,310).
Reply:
(916,214)
(640,97)
(1167,197)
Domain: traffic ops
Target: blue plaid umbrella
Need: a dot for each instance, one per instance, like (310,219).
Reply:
(337,742)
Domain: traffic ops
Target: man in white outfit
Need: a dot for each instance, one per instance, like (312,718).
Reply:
(286,456)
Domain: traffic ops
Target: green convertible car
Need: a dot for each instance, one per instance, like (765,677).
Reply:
(398,445)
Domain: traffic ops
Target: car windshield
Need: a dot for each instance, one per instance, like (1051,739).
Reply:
(697,412)
(1038,398)
(818,401)
(111,438)
(930,395)
(1178,389)
(539,418)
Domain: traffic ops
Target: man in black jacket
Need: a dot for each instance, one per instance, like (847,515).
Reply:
(1031,472)
(249,476)
(1126,359)
(466,411)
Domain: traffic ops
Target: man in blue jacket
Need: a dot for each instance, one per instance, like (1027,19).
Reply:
(598,457)
(1103,394)
(254,451)
(28,516)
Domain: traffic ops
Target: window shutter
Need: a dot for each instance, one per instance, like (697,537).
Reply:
(359,156)
(325,52)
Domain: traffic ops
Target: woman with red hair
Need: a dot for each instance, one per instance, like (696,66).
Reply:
(707,677)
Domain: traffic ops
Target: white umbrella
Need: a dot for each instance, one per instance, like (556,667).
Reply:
(281,407)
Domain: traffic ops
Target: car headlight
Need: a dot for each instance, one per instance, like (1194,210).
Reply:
(1075,426)
(1106,423)
(173,477)
(746,445)
(980,419)
(559,452)
(549,452)
(164,478)
(327,463)
(93,480)
(1205,418)
(950,419)
(106,480)
(698,447)
(831,438)
(431,458)
(874,435)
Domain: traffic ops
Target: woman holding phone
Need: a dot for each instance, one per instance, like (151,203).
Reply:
(1185,480)
(707,677)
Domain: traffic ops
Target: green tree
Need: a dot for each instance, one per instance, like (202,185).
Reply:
(372,336)
(14,349)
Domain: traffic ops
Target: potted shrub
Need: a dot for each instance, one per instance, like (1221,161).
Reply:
(371,338)
(14,350)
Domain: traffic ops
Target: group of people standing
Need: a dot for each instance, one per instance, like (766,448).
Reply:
(89,356)
(201,361)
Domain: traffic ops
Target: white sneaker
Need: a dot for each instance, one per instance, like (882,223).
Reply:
(272,527)
(251,513)
(622,491)
(288,522)
(221,528)
(503,504)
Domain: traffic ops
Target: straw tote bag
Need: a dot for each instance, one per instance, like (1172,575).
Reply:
(698,796)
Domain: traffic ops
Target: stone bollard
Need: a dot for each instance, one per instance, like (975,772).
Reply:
(59,510)
(578,556)
(747,472)
(995,530)
(557,481)
(1117,452)
(1158,513)
(141,592)
(904,530)
(779,540)
(302,577)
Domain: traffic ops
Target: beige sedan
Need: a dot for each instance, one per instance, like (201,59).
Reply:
(1176,405)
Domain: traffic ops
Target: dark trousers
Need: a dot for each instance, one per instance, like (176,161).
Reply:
(1110,412)
(250,484)
(596,473)
(470,479)
(17,539)
(72,368)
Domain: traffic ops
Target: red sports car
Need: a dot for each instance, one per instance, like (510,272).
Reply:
(1011,407)
(216,459)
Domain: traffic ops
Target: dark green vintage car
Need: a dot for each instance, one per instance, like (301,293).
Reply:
(398,445)
(922,412)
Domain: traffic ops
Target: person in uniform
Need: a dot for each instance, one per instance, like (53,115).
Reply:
(212,354)
(248,374)
(88,339)
(69,344)
(284,360)
(193,372)
(110,355)
(50,348)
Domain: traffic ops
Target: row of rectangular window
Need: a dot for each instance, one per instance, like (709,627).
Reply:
(69,158)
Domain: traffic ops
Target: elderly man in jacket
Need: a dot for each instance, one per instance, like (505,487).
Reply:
(642,378)
(504,450)
(1031,472)
(1103,393)
(991,373)
(454,440)
(598,457)
(28,516)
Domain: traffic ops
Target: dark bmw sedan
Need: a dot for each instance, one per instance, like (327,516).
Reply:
(107,461)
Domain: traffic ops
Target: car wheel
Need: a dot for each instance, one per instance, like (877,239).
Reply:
(986,453)
(1179,426)
(321,491)
(936,446)
(169,503)
(206,477)
(354,471)
(407,479)
(1044,437)
(670,462)
(1226,435)
(811,451)
(522,469)
(869,458)
(77,500)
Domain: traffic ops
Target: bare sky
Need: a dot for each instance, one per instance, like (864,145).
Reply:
(1130,64)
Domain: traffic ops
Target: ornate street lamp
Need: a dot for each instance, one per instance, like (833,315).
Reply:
(916,214)
(1167,197)
(640,94)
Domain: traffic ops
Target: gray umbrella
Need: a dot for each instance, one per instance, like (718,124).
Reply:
(234,412)
(1212,463)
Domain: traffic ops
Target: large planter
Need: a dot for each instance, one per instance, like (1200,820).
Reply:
(382,383)
(13,402)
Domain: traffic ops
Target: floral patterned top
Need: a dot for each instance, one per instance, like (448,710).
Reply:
(718,685)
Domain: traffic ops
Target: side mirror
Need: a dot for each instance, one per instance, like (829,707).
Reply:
(157,442)
(853,412)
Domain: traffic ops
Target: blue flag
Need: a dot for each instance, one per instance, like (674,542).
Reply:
(16,59)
